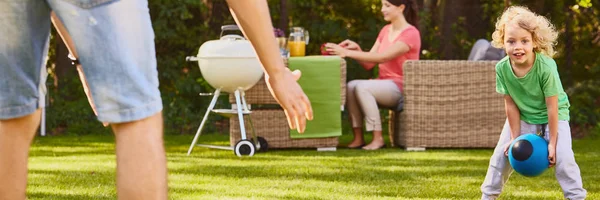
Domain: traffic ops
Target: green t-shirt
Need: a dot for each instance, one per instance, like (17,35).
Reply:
(530,91)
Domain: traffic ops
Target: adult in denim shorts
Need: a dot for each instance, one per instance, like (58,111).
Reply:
(114,42)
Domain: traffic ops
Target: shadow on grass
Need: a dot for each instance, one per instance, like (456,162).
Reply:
(43,195)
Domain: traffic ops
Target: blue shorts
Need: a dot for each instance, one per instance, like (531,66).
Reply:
(115,44)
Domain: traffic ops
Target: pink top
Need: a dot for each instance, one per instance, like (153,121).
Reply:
(392,69)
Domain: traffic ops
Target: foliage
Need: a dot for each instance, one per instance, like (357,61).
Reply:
(180,29)
(328,21)
(585,98)
(68,108)
(431,49)
(181,26)
(579,63)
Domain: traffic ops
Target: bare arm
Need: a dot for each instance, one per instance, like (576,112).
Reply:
(552,106)
(369,65)
(514,117)
(353,46)
(368,59)
(394,51)
(255,21)
(62,31)
(514,120)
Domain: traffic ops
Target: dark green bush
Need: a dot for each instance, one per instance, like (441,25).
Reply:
(181,26)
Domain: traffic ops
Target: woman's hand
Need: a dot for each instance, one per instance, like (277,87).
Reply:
(334,49)
(350,45)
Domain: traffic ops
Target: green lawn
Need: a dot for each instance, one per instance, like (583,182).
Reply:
(71,167)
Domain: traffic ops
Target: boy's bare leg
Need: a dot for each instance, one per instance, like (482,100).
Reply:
(15,138)
(141,160)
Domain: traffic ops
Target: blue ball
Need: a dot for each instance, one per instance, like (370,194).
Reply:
(528,155)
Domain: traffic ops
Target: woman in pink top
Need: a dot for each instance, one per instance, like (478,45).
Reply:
(397,42)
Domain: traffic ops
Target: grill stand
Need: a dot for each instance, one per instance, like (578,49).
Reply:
(244,147)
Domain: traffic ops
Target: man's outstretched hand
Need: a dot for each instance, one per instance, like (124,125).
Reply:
(288,93)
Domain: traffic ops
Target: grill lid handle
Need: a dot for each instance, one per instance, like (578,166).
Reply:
(232,37)
(231,27)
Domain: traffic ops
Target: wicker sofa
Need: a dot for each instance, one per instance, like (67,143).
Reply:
(448,104)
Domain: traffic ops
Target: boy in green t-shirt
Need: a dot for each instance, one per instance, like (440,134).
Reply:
(534,99)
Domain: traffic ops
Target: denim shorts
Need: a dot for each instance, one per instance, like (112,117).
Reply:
(114,40)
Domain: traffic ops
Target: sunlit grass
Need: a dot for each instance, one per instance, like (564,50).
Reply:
(71,167)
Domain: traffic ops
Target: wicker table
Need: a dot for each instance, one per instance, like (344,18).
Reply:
(271,122)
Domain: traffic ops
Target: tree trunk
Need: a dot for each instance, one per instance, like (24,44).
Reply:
(536,6)
(474,24)
(217,14)
(568,42)
(428,7)
(283,18)
(64,70)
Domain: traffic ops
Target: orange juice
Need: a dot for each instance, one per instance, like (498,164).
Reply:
(297,48)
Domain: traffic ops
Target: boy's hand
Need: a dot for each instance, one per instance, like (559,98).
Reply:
(506,147)
(551,155)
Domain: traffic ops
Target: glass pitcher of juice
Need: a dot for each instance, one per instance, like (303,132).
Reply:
(297,41)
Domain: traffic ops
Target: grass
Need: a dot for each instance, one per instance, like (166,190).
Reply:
(82,167)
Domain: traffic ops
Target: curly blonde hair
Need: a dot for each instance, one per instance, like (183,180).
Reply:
(543,33)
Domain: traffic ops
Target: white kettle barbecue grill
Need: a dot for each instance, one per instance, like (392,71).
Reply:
(230,65)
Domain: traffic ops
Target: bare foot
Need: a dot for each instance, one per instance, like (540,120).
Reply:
(356,144)
(374,145)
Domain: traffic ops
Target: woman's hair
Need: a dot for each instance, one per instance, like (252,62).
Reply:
(411,10)
(542,31)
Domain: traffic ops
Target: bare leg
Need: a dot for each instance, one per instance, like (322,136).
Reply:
(377,141)
(141,160)
(358,140)
(356,116)
(15,138)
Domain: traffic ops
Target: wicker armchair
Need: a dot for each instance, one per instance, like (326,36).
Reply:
(448,104)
